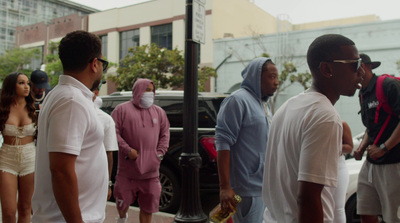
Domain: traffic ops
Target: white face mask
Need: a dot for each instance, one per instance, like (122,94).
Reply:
(147,99)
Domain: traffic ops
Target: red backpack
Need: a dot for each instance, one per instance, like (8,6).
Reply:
(383,103)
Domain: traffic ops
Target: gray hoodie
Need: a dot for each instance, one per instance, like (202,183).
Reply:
(242,127)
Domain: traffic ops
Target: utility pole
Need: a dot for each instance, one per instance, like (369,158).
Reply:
(190,161)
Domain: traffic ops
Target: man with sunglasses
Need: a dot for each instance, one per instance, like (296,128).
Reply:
(71,175)
(305,138)
(379,178)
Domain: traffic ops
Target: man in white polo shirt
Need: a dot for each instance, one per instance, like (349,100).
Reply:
(71,165)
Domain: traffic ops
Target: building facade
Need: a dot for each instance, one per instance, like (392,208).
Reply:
(378,39)
(14,13)
(163,22)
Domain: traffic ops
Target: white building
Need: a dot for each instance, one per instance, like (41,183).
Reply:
(379,39)
(163,22)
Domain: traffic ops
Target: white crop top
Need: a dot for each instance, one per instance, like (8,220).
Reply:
(20,132)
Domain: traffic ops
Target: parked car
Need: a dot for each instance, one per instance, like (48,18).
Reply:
(170,174)
(357,141)
(354,167)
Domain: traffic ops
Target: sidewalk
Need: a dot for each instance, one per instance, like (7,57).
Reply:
(159,217)
(111,214)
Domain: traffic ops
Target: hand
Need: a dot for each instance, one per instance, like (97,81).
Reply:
(228,204)
(109,193)
(133,154)
(375,152)
(358,153)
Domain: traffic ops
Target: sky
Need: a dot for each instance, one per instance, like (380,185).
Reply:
(297,11)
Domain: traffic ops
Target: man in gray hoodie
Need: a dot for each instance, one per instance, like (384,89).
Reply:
(241,140)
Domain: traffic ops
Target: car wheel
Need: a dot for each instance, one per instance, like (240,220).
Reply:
(351,210)
(170,191)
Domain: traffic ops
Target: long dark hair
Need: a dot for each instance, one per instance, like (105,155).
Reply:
(7,97)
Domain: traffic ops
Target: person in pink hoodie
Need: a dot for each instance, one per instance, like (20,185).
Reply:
(143,138)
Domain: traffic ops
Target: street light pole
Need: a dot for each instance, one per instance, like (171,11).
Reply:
(190,161)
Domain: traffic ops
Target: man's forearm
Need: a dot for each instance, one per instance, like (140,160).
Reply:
(110,163)
(223,160)
(65,188)
(65,185)
(309,202)
(394,139)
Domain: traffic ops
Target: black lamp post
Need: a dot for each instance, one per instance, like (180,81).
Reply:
(190,209)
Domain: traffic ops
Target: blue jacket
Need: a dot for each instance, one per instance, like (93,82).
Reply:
(242,127)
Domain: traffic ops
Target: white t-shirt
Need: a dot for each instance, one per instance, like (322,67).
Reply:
(304,144)
(110,135)
(68,123)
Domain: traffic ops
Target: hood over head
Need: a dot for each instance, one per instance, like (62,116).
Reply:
(252,76)
(139,87)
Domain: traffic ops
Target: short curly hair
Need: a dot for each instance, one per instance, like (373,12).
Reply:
(77,49)
(325,48)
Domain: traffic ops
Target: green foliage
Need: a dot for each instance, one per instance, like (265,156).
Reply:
(15,59)
(289,72)
(53,64)
(265,55)
(303,78)
(203,75)
(165,67)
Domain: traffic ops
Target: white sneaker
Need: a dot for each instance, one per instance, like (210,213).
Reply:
(122,220)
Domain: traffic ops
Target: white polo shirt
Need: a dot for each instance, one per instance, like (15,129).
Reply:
(68,123)
(110,135)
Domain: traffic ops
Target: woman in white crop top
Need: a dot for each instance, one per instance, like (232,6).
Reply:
(17,155)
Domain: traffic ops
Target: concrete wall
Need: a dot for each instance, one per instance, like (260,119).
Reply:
(336,22)
(240,18)
(380,40)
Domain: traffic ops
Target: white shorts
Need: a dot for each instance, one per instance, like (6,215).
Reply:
(18,160)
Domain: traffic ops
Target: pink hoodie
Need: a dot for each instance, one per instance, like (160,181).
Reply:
(143,129)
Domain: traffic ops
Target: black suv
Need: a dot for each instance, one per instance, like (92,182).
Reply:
(170,174)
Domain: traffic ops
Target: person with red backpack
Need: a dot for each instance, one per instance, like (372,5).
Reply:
(379,178)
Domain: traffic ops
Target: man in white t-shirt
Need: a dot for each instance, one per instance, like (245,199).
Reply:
(306,136)
(110,135)
(71,165)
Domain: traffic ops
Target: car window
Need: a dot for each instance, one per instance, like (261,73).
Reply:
(174,110)
(208,108)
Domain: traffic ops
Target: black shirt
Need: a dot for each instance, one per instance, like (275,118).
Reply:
(369,103)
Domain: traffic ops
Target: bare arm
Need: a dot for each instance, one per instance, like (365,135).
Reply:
(309,202)
(226,193)
(375,152)
(65,185)
(363,145)
(347,140)
(110,166)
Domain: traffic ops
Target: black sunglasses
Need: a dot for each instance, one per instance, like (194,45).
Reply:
(105,63)
(357,63)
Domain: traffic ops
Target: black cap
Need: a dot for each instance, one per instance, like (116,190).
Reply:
(365,59)
(39,79)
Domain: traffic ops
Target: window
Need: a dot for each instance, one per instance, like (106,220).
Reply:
(162,35)
(128,39)
(104,42)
